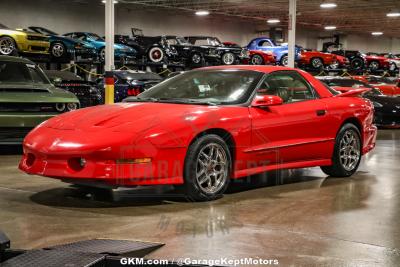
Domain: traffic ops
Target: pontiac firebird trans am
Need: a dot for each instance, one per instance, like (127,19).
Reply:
(204,127)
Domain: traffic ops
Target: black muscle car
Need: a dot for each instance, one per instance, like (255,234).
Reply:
(85,91)
(387,108)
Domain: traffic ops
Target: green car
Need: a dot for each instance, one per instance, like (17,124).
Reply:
(27,98)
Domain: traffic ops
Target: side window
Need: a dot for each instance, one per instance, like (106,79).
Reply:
(288,85)
(264,43)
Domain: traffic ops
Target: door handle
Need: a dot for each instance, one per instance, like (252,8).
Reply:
(321,112)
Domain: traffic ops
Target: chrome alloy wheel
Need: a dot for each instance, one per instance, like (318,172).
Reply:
(350,150)
(7,46)
(57,50)
(196,58)
(228,58)
(211,168)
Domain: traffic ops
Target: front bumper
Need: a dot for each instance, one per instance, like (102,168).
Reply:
(57,154)
(33,47)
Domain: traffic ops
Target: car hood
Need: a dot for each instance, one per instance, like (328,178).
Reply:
(119,117)
(28,92)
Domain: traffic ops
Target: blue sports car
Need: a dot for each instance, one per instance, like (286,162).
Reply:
(268,45)
(63,48)
(121,51)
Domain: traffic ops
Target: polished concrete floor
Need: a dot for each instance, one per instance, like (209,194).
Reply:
(301,218)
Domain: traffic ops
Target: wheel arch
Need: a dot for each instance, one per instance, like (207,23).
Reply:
(356,122)
(10,36)
(224,134)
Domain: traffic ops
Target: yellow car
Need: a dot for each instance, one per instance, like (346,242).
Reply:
(14,42)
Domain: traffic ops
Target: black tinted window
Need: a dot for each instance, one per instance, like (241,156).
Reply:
(17,72)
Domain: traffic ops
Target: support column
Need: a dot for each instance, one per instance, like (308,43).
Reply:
(292,33)
(109,56)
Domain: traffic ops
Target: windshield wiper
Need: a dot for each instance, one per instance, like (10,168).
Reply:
(187,101)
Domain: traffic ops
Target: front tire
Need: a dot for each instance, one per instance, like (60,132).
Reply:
(196,59)
(284,60)
(347,152)
(317,63)
(207,169)
(8,46)
(256,60)
(155,54)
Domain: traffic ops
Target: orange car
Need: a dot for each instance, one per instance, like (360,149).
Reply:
(386,85)
(318,60)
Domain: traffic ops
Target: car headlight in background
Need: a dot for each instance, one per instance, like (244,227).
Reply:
(376,104)
(60,107)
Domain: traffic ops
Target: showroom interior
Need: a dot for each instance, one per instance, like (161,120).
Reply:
(199,132)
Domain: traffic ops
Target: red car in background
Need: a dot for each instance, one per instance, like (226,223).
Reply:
(387,86)
(257,57)
(318,60)
(203,128)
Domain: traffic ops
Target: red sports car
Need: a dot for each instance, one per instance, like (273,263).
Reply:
(318,60)
(384,84)
(204,127)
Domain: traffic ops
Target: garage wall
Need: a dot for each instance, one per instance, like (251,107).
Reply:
(74,15)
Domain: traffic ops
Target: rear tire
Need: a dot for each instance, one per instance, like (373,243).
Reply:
(347,152)
(357,64)
(228,58)
(207,168)
(58,50)
(374,65)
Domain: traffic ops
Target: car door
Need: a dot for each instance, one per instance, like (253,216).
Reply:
(294,131)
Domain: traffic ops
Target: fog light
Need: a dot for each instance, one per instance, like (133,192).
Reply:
(133,161)
(82,162)
(30,159)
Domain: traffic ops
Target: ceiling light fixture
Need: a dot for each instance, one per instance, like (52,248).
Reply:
(376,33)
(328,5)
(273,21)
(329,28)
(202,13)
(393,14)
(104,1)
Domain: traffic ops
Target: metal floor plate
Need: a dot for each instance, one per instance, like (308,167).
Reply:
(109,247)
(52,258)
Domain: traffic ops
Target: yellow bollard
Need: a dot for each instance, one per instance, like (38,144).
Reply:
(109,87)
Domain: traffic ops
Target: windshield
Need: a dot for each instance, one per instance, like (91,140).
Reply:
(94,37)
(206,86)
(43,31)
(182,41)
(18,72)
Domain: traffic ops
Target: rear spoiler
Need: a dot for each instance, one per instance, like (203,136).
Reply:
(353,93)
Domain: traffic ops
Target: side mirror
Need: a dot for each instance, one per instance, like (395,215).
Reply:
(266,101)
